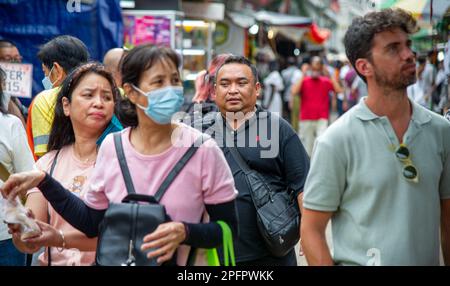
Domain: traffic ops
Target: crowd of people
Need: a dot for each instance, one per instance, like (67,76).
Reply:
(380,173)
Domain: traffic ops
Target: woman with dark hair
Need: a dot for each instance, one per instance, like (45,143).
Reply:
(84,108)
(204,88)
(152,147)
(15,156)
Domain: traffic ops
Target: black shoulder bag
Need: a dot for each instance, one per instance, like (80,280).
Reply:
(277,213)
(125,224)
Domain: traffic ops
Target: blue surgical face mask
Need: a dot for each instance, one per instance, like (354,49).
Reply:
(163,103)
(46,82)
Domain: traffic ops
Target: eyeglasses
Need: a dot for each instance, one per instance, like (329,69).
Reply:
(409,170)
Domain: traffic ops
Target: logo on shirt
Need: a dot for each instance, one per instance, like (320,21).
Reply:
(375,253)
(77,185)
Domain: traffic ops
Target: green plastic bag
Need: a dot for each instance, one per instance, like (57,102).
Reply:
(228,248)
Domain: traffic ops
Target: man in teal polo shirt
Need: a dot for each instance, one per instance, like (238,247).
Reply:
(381,173)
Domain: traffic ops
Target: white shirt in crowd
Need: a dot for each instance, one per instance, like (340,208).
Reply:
(15,155)
(274,103)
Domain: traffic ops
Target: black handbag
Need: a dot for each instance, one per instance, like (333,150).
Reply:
(125,224)
(277,213)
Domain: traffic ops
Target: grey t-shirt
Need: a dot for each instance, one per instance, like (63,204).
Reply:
(380,218)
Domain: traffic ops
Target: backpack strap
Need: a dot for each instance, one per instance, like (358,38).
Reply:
(123,163)
(168,180)
(52,169)
(55,160)
(178,167)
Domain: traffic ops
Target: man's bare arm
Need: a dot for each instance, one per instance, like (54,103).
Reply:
(314,242)
(445,230)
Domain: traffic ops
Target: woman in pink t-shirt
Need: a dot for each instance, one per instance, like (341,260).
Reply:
(84,108)
(152,146)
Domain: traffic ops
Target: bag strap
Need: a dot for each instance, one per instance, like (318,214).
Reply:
(228,248)
(191,257)
(246,169)
(227,245)
(123,163)
(178,167)
(239,160)
(168,180)
(212,257)
(52,168)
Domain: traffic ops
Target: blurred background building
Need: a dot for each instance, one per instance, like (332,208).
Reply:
(275,29)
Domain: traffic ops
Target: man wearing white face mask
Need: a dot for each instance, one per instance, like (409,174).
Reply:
(59,57)
(314,91)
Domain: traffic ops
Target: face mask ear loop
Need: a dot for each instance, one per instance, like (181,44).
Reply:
(143,93)
(50,73)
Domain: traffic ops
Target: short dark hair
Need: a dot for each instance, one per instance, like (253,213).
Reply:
(134,64)
(7,44)
(62,133)
(291,61)
(358,39)
(69,52)
(3,109)
(422,59)
(238,60)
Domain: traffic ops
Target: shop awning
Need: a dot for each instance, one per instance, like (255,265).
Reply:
(205,11)
(278,19)
(420,8)
(292,27)
(242,20)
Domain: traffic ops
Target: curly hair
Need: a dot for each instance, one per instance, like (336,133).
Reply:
(358,39)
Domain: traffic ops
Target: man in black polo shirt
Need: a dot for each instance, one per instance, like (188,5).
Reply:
(266,142)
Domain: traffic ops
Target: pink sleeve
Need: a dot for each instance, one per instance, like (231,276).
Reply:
(95,196)
(217,179)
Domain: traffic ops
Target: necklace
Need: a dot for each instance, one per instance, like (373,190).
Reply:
(90,159)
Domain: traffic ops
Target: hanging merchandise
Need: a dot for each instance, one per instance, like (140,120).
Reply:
(31,23)
(318,35)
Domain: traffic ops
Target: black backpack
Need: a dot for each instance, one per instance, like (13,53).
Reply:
(125,224)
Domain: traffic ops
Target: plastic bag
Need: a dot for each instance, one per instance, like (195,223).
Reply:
(15,213)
